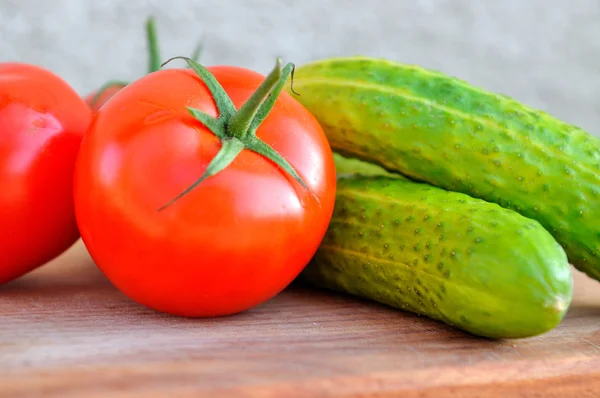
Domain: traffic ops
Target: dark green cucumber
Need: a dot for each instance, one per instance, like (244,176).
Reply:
(469,263)
(437,129)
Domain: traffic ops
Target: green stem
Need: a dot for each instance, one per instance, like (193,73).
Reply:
(240,122)
(268,104)
(154,61)
(197,51)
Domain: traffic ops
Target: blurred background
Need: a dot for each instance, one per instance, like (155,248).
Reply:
(545,53)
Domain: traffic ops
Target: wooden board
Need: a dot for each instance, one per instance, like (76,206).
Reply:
(66,332)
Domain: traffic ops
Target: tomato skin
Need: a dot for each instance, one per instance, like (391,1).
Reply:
(102,99)
(233,242)
(42,122)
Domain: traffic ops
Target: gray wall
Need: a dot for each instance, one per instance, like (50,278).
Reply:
(545,53)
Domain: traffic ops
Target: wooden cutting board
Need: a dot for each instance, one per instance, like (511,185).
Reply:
(66,332)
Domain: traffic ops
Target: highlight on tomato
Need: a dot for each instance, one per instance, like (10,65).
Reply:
(42,122)
(204,192)
(99,97)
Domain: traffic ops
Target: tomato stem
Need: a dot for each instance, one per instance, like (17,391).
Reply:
(152,40)
(237,128)
(197,51)
(240,122)
(154,63)
(269,102)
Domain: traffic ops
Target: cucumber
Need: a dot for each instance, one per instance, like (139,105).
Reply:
(460,260)
(440,130)
(350,166)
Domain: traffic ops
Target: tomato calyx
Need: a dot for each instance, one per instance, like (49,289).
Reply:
(154,60)
(236,129)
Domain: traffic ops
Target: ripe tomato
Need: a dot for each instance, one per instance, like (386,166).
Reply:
(231,242)
(42,122)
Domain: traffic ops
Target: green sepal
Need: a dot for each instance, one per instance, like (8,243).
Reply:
(230,149)
(222,100)
(217,126)
(262,148)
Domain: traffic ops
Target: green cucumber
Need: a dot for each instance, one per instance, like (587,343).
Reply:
(460,260)
(350,166)
(440,130)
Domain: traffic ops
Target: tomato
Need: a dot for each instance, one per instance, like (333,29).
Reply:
(98,98)
(42,122)
(237,238)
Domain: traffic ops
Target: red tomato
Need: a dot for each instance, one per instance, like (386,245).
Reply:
(232,242)
(42,122)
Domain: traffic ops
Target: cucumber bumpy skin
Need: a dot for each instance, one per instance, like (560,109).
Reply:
(438,129)
(460,260)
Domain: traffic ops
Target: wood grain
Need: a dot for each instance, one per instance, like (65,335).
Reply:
(66,332)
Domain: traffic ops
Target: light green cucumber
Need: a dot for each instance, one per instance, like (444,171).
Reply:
(460,260)
(437,129)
